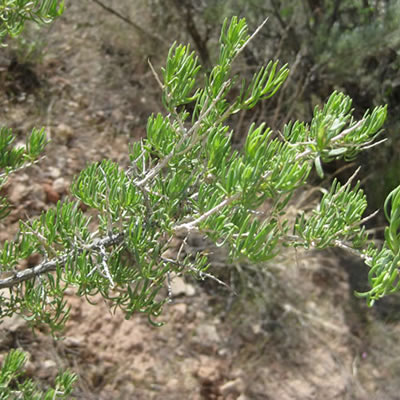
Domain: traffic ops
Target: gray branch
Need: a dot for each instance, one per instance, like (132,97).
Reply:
(51,265)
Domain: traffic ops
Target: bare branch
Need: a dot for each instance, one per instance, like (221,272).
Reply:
(137,27)
(190,226)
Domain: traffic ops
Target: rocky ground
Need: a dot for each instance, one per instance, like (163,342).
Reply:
(294,331)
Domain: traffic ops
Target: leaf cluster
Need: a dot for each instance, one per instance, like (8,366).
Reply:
(13,387)
(185,177)
(384,264)
(14,14)
(337,218)
(14,157)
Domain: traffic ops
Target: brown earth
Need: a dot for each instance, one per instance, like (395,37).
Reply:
(294,331)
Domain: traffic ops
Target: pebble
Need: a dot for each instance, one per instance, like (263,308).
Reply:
(48,368)
(13,323)
(64,132)
(180,310)
(235,386)
(180,287)
(59,185)
(51,195)
(17,192)
(54,172)
(207,333)
(208,373)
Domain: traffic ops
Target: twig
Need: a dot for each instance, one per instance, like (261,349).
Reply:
(348,130)
(40,237)
(193,130)
(131,23)
(189,226)
(155,75)
(51,265)
(347,184)
(251,37)
(25,165)
(107,198)
(341,135)
(201,273)
(349,249)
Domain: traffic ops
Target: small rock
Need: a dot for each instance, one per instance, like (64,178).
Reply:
(17,192)
(59,185)
(223,352)
(207,334)
(49,364)
(30,368)
(208,373)
(180,287)
(47,368)
(23,177)
(13,323)
(74,341)
(200,315)
(54,172)
(38,193)
(237,372)
(256,328)
(236,386)
(64,132)
(173,384)
(180,310)
(73,104)
(51,195)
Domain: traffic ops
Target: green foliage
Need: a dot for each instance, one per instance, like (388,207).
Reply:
(13,387)
(337,218)
(184,177)
(179,76)
(348,45)
(13,158)
(327,127)
(14,14)
(383,275)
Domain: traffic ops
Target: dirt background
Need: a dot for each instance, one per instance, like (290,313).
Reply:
(293,331)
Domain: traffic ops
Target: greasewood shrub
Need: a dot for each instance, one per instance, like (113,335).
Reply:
(185,177)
